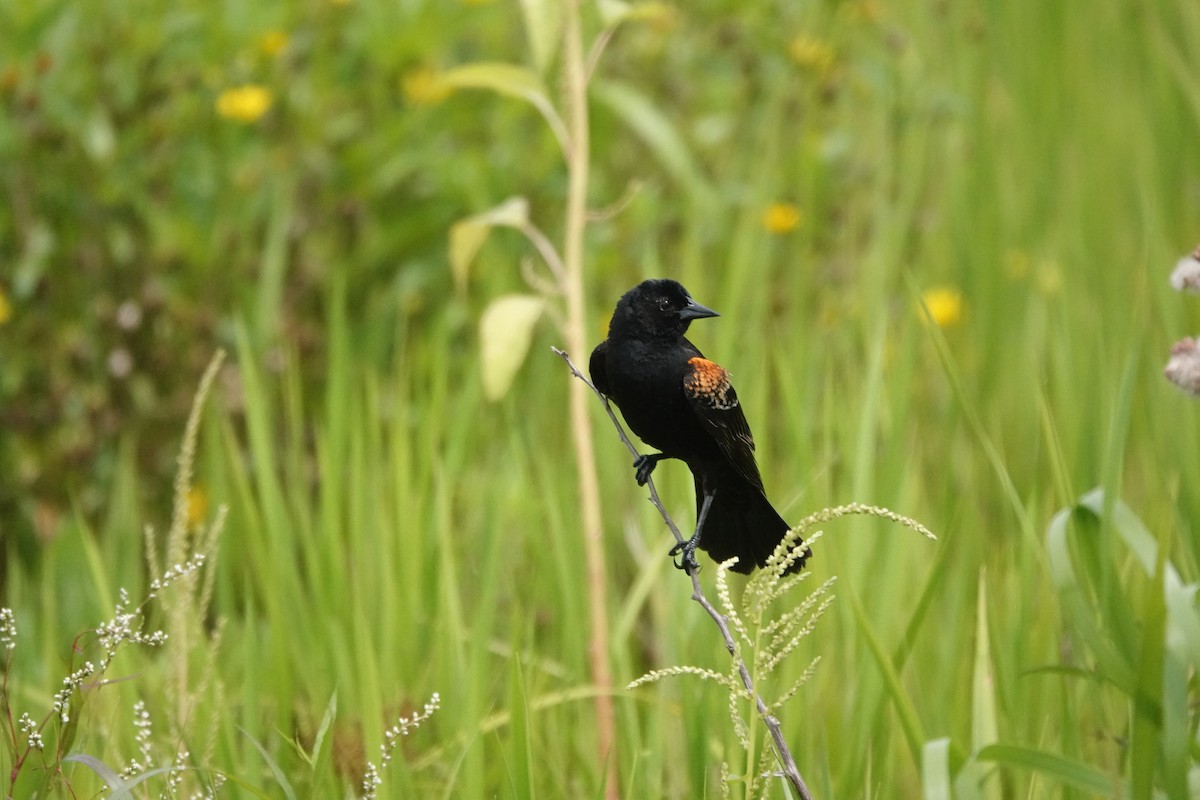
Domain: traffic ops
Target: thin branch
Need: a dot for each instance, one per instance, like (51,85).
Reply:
(782,751)
(623,202)
(597,49)
(546,250)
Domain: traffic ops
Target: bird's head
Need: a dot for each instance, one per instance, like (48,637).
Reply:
(657,308)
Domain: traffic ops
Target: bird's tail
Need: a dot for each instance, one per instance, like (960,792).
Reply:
(741,522)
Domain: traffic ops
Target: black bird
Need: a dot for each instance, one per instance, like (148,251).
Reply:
(680,402)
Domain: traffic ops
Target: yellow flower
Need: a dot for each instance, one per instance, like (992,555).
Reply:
(272,43)
(424,87)
(812,54)
(781,218)
(197,505)
(662,17)
(244,103)
(1049,277)
(864,11)
(5,307)
(1016,264)
(944,305)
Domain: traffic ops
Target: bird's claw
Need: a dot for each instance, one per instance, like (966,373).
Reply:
(688,562)
(644,466)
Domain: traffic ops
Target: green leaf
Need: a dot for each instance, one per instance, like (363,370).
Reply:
(910,721)
(617,12)
(522,766)
(984,726)
(612,12)
(1183,621)
(984,729)
(272,765)
(935,770)
(505,331)
(326,722)
(468,235)
(116,784)
(543,27)
(1064,770)
(1110,658)
(1147,723)
(648,122)
(511,80)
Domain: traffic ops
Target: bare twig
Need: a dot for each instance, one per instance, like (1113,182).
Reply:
(782,751)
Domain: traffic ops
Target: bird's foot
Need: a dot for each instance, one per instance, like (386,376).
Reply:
(645,465)
(688,562)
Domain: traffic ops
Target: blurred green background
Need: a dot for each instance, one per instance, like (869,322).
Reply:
(279,179)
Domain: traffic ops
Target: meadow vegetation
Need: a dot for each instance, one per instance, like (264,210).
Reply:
(939,235)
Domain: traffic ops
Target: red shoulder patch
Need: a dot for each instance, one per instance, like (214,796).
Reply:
(710,382)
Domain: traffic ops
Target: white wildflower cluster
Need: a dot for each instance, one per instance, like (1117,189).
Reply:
(29,729)
(74,681)
(144,726)
(1183,367)
(1186,276)
(123,628)
(391,737)
(175,773)
(176,572)
(218,780)
(371,781)
(8,628)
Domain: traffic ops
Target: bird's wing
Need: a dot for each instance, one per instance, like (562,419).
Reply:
(597,367)
(715,402)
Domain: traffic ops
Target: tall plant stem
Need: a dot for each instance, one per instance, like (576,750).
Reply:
(575,73)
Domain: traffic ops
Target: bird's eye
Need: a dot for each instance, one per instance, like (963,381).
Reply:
(664,303)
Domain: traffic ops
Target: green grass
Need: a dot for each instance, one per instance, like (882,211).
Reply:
(391,534)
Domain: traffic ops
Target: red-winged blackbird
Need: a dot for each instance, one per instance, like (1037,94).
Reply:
(680,402)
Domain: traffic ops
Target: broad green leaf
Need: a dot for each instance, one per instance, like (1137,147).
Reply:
(110,777)
(511,80)
(652,126)
(1111,661)
(505,331)
(468,235)
(1064,770)
(935,770)
(513,212)
(543,28)
(984,726)
(616,12)
(1183,619)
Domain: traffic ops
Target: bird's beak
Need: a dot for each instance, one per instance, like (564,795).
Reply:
(694,310)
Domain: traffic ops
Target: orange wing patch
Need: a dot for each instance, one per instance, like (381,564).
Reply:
(710,382)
